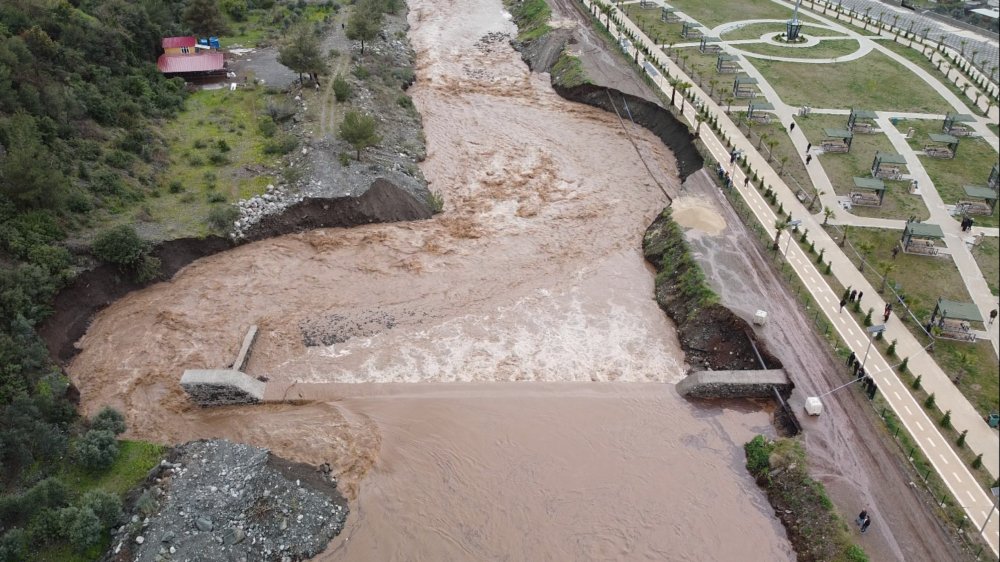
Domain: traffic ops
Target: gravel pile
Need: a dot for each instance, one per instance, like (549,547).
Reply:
(217,500)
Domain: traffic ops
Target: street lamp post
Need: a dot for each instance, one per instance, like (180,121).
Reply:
(996,493)
(872,332)
(792,224)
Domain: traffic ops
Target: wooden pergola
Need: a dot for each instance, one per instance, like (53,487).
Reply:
(953,319)
(887,165)
(920,237)
(953,124)
(936,151)
(727,64)
(837,140)
(978,200)
(868,118)
(867,192)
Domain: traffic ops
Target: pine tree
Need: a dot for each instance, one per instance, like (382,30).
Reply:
(365,23)
(301,52)
(205,18)
(358,130)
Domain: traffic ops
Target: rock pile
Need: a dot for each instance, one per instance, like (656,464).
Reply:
(217,500)
(273,200)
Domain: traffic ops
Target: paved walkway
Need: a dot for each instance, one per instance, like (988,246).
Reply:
(957,477)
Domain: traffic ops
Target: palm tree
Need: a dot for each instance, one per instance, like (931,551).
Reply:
(697,128)
(771,143)
(683,87)
(761,139)
(864,248)
(828,214)
(779,226)
(729,103)
(843,239)
(712,84)
(784,160)
(965,364)
(887,268)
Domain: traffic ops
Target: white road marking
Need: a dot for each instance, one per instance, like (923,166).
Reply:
(896,394)
(957,477)
(945,459)
(931,442)
(968,493)
(920,427)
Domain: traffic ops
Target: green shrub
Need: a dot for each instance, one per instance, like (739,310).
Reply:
(200,143)
(222,217)
(107,506)
(222,145)
(267,126)
(344,159)
(175,186)
(218,159)
(946,420)
(915,385)
(435,202)
(14,546)
(81,527)
(148,269)
(405,101)
(929,402)
(360,72)
(216,197)
(758,450)
(961,439)
(977,463)
(109,419)
(341,88)
(281,145)
(121,246)
(96,450)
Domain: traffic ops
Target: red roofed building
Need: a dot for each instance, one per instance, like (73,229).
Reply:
(181,64)
(179,45)
(181,55)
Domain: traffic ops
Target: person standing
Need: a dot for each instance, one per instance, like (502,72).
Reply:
(850,360)
(861,518)
(993,316)
(808,146)
(866,523)
(842,303)
(860,294)
(792,128)
(854,295)
(809,158)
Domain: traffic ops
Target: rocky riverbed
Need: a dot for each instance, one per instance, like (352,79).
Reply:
(218,500)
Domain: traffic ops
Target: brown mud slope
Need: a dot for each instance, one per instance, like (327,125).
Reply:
(95,289)
(712,336)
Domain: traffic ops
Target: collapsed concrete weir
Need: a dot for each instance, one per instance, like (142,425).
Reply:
(224,387)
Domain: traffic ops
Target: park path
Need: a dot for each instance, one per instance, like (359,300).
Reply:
(975,501)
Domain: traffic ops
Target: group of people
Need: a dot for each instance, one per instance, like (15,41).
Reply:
(852,296)
(967,223)
(863,520)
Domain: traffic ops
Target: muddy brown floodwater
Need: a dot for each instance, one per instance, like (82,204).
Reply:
(532,273)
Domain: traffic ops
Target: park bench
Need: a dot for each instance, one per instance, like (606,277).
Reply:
(862,128)
(865,199)
(959,131)
(746,92)
(974,208)
(889,172)
(835,146)
(938,152)
(956,330)
(924,248)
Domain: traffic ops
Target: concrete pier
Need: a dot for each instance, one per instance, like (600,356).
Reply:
(735,384)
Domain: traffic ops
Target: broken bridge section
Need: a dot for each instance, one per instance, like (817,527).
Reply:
(220,387)
(735,384)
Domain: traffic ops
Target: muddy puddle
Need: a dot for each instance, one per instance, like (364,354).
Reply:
(532,273)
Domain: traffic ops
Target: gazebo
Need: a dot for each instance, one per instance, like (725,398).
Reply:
(953,319)
(755,109)
(919,238)
(668,14)
(868,118)
(727,64)
(745,87)
(709,45)
(953,124)
(837,140)
(938,151)
(793,27)
(646,4)
(887,165)
(978,200)
(691,30)
(867,192)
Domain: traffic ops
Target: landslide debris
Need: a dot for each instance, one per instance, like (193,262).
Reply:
(218,500)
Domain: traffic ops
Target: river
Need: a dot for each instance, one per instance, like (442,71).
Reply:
(417,333)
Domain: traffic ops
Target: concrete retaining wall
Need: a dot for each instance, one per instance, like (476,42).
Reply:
(735,384)
(219,387)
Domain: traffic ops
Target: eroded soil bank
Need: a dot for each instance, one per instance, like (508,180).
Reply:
(532,273)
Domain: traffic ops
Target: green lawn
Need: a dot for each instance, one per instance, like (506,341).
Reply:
(212,117)
(648,21)
(874,82)
(841,169)
(756,30)
(914,56)
(980,379)
(987,255)
(825,49)
(692,60)
(712,14)
(971,165)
